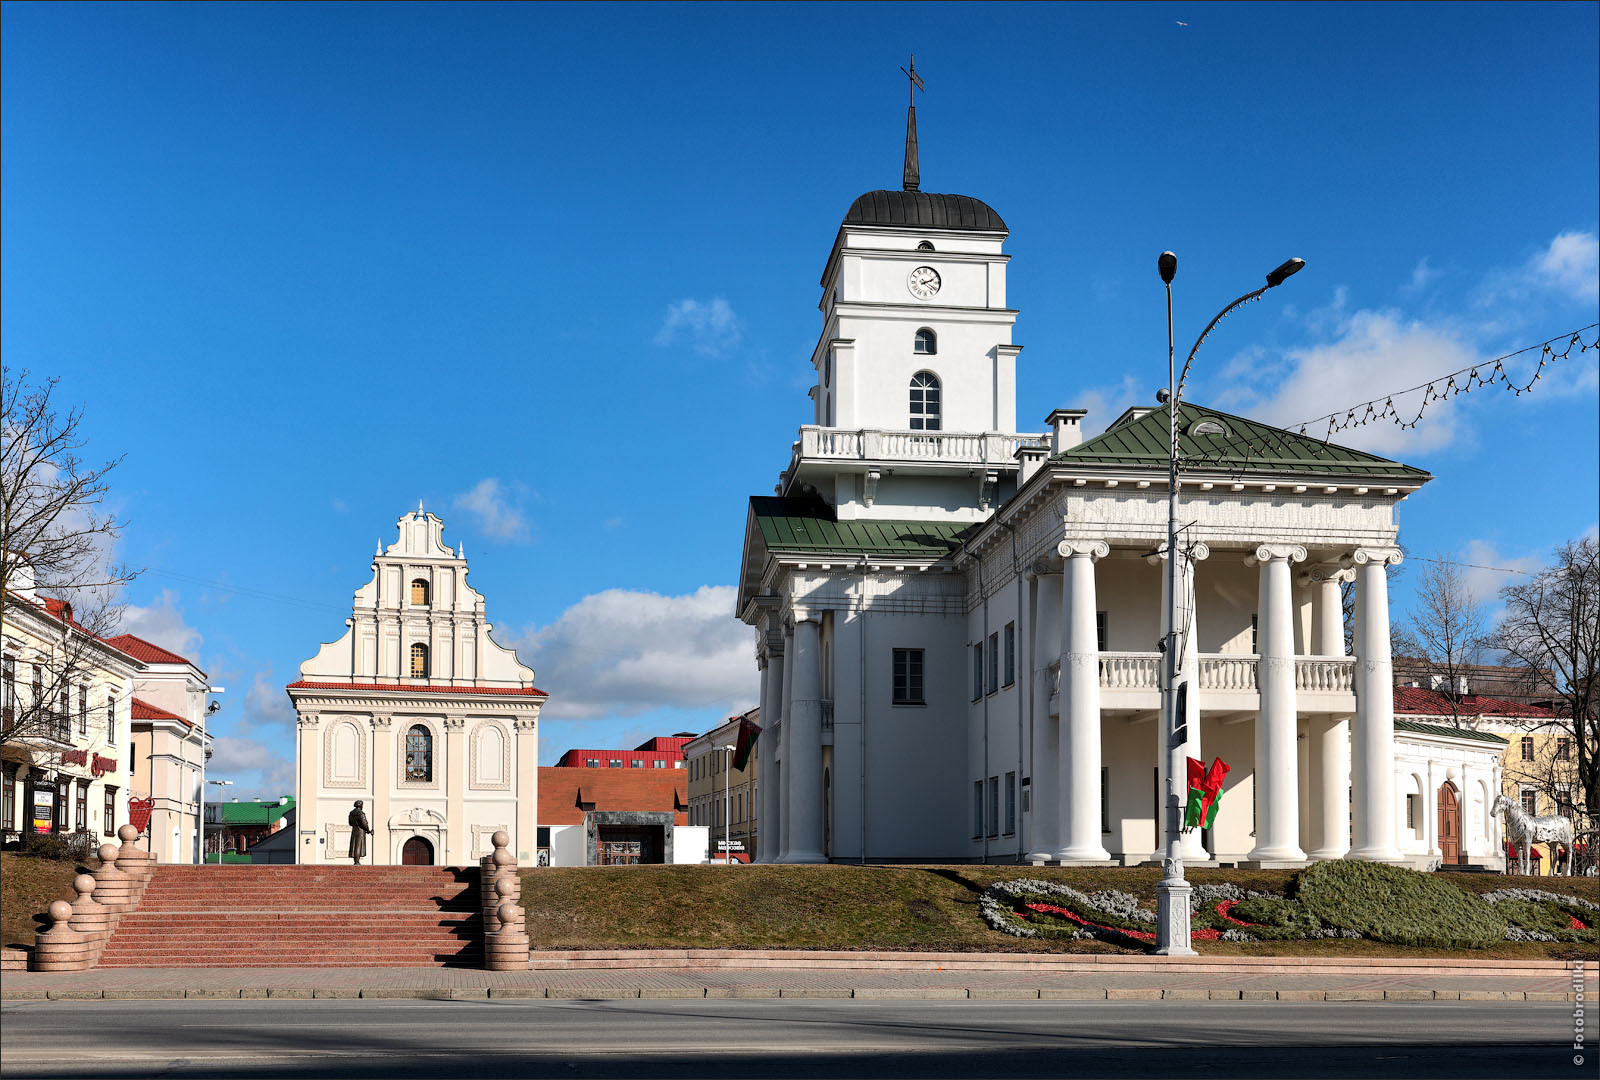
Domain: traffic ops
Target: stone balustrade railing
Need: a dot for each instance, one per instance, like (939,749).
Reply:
(79,931)
(954,447)
(1218,671)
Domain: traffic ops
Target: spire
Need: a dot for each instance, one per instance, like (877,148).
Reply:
(913,174)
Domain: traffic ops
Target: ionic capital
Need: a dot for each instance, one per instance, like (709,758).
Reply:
(1043,568)
(1083,549)
(1317,574)
(1292,553)
(1198,552)
(1383,556)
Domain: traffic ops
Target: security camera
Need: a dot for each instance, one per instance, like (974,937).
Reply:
(213,707)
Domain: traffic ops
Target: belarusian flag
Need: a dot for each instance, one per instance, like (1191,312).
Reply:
(1205,792)
(748,734)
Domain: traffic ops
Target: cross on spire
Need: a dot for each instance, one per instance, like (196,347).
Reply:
(913,175)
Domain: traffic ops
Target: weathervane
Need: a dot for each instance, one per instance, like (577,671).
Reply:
(913,173)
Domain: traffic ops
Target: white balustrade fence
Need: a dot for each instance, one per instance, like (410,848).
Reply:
(870,444)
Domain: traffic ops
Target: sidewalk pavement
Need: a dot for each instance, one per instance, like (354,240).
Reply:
(774,973)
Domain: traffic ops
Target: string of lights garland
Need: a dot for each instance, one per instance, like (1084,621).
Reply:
(1488,373)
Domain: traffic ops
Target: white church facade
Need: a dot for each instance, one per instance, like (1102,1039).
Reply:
(419,714)
(957,622)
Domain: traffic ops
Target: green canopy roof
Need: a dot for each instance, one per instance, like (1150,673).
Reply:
(254,812)
(808,525)
(1241,445)
(1446,731)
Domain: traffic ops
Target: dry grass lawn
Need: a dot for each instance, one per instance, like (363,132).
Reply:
(27,887)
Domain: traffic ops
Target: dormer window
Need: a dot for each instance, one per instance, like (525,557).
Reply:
(926,408)
(419,660)
(925,246)
(926,342)
(419,592)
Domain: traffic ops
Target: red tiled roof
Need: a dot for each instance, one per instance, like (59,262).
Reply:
(417,688)
(561,790)
(149,652)
(1415,701)
(143,710)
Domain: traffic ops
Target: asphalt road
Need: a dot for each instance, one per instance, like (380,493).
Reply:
(771,1039)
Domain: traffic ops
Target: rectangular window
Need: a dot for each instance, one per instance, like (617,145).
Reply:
(636,763)
(977,671)
(1411,812)
(1100,630)
(83,710)
(994,662)
(111,719)
(977,809)
(1011,653)
(8,799)
(1255,629)
(82,806)
(908,677)
(1563,749)
(8,698)
(1105,798)
(616,763)
(110,827)
(1011,803)
(658,764)
(1530,801)
(994,806)
(591,763)
(1527,748)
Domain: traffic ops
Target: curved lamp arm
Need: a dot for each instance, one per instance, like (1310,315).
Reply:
(1274,279)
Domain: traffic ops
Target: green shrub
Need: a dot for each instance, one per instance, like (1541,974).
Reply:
(1398,906)
(1271,911)
(52,846)
(1549,917)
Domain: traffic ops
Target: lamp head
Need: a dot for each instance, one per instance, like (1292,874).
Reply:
(1167,264)
(1278,276)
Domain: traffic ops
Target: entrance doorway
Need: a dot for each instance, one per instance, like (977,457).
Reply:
(627,845)
(416,852)
(1449,824)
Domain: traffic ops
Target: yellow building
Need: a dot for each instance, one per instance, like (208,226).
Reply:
(722,798)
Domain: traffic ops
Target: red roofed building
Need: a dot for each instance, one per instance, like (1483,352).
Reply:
(418,713)
(616,817)
(169,745)
(660,752)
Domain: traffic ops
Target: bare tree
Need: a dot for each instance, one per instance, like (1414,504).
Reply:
(56,570)
(1551,627)
(1445,631)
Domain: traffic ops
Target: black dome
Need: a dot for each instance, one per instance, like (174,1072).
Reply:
(924,210)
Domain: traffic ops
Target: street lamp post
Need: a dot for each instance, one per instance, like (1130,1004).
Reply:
(727,807)
(1172,891)
(219,785)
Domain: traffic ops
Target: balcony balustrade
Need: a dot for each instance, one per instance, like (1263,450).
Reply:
(1222,672)
(934,447)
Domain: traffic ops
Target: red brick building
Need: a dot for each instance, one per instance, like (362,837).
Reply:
(616,816)
(661,752)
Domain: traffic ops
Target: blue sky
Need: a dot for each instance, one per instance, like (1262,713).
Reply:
(553,270)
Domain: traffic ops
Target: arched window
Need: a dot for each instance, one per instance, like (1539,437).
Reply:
(926,342)
(419,592)
(925,405)
(925,246)
(419,755)
(419,660)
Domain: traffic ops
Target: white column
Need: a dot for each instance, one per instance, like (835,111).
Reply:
(1328,613)
(378,853)
(1190,846)
(1430,811)
(1277,765)
(1330,764)
(767,749)
(781,792)
(1372,736)
(803,750)
(1079,748)
(456,832)
(1045,816)
(526,834)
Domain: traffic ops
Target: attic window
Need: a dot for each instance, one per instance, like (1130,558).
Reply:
(1208,427)
(924,246)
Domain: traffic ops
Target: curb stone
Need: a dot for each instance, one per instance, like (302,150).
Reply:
(194,993)
(1134,995)
(813,992)
(1224,995)
(74,995)
(522,992)
(141,994)
(939,993)
(1353,995)
(1299,995)
(672,991)
(1072,994)
(590,993)
(287,992)
(1001,994)
(1408,995)
(335,992)
(741,992)
(1186,995)
(1258,995)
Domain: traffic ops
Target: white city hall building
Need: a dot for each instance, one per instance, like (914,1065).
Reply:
(957,622)
(417,712)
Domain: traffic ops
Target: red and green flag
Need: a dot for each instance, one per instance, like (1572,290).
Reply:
(1205,792)
(748,734)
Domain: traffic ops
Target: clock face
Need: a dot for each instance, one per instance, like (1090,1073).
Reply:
(923,282)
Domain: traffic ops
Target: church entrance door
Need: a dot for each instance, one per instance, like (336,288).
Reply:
(416,852)
(1449,824)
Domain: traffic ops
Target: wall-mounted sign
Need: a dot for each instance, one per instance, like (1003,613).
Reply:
(102,765)
(74,757)
(730,845)
(44,808)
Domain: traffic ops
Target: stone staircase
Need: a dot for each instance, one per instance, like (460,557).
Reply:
(303,916)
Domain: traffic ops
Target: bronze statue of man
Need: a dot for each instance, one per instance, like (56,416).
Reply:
(359,831)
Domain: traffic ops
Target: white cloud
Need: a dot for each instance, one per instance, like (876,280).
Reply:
(624,652)
(1106,403)
(1421,276)
(1570,265)
(253,742)
(1484,583)
(162,624)
(709,326)
(258,770)
(495,509)
(1371,351)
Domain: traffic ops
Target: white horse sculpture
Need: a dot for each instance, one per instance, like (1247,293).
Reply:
(1523,829)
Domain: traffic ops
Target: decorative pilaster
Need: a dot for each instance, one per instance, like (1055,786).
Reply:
(308,785)
(455,784)
(1277,760)
(768,815)
(527,785)
(1044,817)
(1372,736)
(803,746)
(1079,754)
(383,780)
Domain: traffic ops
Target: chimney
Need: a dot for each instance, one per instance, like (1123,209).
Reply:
(1029,459)
(1066,428)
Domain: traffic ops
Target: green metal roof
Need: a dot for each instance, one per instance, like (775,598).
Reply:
(1447,731)
(253,812)
(808,525)
(1244,446)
